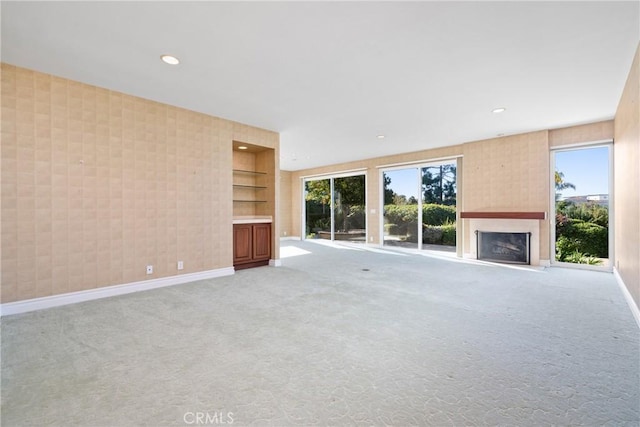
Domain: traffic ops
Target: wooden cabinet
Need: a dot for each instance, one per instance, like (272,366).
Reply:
(242,238)
(251,245)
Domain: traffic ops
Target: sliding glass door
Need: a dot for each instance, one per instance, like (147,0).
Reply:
(439,191)
(349,209)
(419,208)
(335,208)
(401,215)
(317,208)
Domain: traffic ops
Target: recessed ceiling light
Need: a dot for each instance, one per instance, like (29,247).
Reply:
(242,147)
(380,136)
(170,59)
(498,110)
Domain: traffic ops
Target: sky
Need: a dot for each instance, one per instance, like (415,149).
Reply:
(586,168)
(404,181)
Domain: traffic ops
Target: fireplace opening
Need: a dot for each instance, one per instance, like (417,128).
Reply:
(511,248)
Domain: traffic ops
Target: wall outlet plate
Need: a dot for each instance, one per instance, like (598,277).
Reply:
(180,265)
(149,269)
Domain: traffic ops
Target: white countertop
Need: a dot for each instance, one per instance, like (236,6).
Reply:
(250,219)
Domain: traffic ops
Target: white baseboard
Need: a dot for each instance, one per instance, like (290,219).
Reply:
(275,263)
(24,306)
(627,296)
(290,238)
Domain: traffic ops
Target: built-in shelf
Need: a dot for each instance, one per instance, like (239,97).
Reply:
(503,215)
(249,172)
(249,186)
(253,195)
(253,187)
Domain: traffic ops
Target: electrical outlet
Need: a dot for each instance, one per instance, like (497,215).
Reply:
(371,239)
(285,233)
(149,269)
(180,265)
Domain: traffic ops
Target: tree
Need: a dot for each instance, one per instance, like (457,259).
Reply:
(349,191)
(319,191)
(561,184)
(399,199)
(439,184)
(318,200)
(388,192)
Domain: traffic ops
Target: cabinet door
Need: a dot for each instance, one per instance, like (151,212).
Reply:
(261,241)
(242,251)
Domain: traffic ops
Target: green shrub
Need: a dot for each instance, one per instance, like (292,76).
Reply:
(403,217)
(432,234)
(449,234)
(583,237)
(439,223)
(439,234)
(433,214)
(580,258)
(587,212)
(565,247)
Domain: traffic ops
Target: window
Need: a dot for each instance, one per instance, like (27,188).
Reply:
(582,208)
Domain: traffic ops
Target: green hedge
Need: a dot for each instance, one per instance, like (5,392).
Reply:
(449,235)
(439,223)
(438,214)
(585,237)
(439,234)
(432,214)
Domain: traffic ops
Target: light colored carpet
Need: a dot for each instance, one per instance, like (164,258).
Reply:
(336,336)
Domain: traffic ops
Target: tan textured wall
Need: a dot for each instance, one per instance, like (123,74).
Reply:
(627,183)
(507,174)
(592,132)
(296,205)
(285,216)
(97,184)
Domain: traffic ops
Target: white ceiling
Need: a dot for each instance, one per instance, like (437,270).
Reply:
(330,76)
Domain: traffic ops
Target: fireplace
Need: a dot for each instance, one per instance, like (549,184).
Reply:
(511,248)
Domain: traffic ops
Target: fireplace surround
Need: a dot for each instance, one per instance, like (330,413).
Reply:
(534,223)
(512,248)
